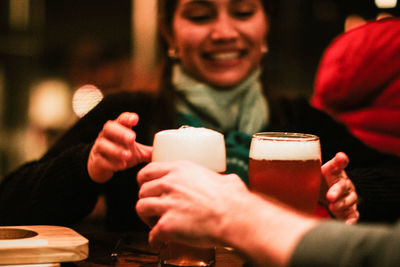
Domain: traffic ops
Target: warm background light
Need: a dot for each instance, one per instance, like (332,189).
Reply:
(144,32)
(86,98)
(2,91)
(386,3)
(49,104)
(19,14)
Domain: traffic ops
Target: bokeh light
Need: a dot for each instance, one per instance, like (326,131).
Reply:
(386,3)
(86,98)
(49,104)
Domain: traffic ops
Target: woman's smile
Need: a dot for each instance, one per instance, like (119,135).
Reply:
(223,56)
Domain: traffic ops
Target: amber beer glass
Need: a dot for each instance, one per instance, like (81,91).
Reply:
(202,146)
(286,167)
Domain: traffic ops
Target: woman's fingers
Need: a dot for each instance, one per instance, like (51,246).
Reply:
(352,215)
(99,168)
(140,153)
(111,150)
(341,194)
(349,215)
(115,148)
(128,119)
(339,190)
(106,163)
(119,134)
(120,130)
(333,170)
(343,201)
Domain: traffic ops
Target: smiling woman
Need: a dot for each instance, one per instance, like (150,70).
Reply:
(212,79)
(219,42)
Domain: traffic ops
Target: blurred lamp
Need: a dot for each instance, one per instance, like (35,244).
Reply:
(49,104)
(386,3)
(19,14)
(86,98)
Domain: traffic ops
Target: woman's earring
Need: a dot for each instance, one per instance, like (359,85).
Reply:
(264,49)
(173,53)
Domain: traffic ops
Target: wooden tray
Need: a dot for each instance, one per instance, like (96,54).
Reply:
(41,244)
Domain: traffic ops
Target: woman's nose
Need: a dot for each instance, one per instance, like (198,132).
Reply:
(224,29)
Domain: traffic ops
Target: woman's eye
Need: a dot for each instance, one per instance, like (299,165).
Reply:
(243,11)
(199,14)
(244,14)
(200,18)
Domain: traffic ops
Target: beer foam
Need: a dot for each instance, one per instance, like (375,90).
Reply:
(284,150)
(200,145)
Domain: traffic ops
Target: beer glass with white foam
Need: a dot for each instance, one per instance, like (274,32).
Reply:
(286,167)
(202,146)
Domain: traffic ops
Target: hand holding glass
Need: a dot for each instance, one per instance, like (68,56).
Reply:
(202,146)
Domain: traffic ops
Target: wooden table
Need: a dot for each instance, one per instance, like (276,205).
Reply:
(133,250)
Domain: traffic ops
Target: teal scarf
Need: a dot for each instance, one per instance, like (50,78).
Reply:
(238,113)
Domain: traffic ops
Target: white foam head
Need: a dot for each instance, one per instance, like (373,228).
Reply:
(199,145)
(285,149)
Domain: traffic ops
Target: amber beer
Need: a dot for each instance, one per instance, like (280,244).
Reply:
(287,167)
(202,146)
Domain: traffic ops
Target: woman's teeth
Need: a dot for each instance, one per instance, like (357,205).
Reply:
(225,56)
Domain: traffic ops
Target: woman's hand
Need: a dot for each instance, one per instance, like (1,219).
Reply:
(116,149)
(341,194)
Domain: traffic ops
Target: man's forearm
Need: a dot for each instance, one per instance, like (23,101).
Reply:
(265,232)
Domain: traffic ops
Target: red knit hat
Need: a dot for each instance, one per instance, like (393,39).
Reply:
(358,83)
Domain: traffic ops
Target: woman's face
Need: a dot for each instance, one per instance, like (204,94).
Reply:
(219,41)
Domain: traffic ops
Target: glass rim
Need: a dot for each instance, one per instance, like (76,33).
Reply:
(285,136)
